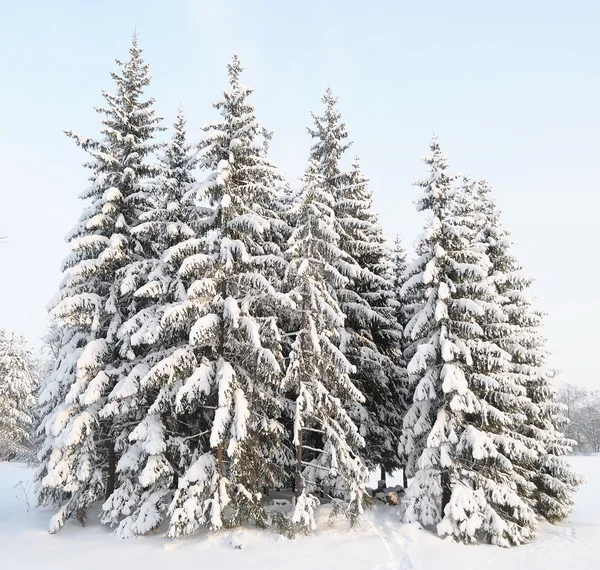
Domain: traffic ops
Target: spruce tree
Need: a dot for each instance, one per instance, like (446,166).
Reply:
(371,336)
(80,452)
(456,437)
(317,377)
(18,385)
(491,502)
(548,478)
(156,449)
(404,309)
(234,349)
(429,460)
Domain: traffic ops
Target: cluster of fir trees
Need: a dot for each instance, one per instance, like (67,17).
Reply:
(222,334)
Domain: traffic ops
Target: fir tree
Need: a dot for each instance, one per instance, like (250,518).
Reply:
(429,460)
(404,309)
(548,478)
(18,384)
(156,449)
(80,452)
(491,502)
(234,346)
(456,437)
(325,437)
(371,337)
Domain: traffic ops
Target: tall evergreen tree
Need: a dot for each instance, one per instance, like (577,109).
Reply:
(18,385)
(497,508)
(429,460)
(325,437)
(156,449)
(79,455)
(234,351)
(404,309)
(371,337)
(548,477)
(456,437)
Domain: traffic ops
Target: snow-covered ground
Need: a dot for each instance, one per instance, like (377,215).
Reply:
(379,542)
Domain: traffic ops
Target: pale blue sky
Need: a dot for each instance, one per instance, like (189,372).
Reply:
(511,88)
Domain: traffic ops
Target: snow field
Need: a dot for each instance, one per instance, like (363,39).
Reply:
(378,542)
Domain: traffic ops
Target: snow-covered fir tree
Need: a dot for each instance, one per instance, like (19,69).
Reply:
(456,438)
(429,460)
(80,452)
(156,449)
(318,374)
(548,478)
(404,309)
(505,516)
(18,386)
(233,355)
(371,336)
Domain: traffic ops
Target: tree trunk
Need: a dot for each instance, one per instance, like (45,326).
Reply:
(404,478)
(382,475)
(112,469)
(304,326)
(446,490)
(222,354)
(299,465)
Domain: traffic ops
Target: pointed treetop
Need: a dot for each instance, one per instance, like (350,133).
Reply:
(398,244)
(484,189)
(356,188)
(331,116)
(178,158)
(134,39)
(329,98)
(131,79)
(234,69)
(438,186)
(399,260)
(135,51)
(180,120)
(331,138)
(436,157)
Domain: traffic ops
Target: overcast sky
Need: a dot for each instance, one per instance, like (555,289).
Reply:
(511,88)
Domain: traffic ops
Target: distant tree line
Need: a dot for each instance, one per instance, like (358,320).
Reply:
(582,408)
